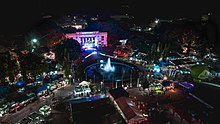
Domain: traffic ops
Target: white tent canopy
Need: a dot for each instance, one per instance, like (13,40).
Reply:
(84,83)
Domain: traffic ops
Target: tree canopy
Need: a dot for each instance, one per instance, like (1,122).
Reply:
(67,51)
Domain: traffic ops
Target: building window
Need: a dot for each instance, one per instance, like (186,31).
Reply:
(102,37)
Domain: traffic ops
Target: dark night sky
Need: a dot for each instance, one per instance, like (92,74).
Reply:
(17,16)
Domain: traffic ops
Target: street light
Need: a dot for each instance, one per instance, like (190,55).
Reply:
(156,21)
(101,85)
(70,79)
(131,78)
(34,40)
(33,44)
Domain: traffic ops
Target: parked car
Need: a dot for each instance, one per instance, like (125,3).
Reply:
(13,107)
(82,90)
(36,117)
(45,110)
(3,109)
(78,90)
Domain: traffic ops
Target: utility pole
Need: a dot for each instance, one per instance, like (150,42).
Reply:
(103,78)
(85,75)
(122,83)
(138,81)
(112,82)
(94,78)
(131,79)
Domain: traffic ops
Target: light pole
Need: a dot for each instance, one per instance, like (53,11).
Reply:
(85,75)
(33,44)
(138,81)
(101,85)
(103,78)
(70,79)
(94,78)
(131,79)
(112,82)
(122,83)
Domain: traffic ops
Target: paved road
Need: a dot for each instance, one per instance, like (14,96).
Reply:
(208,93)
(15,117)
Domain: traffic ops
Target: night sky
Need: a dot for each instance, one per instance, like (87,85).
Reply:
(17,16)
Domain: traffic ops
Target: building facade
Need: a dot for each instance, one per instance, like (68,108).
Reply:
(91,39)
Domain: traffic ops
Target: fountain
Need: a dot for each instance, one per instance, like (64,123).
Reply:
(108,67)
(110,71)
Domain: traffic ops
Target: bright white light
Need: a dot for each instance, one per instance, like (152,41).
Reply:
(34,40)
(77,26)
(165,78)
(157,70)
(101,61)
(139,85)
(146,115)
(156,21)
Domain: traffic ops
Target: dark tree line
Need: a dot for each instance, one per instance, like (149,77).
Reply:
(67,51)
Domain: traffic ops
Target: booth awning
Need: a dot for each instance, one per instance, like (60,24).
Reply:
(40,89)
(20,83)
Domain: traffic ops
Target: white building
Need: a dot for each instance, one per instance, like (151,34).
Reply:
(91,39)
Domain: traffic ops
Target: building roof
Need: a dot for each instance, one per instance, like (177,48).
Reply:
(130,110)
(118,92)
